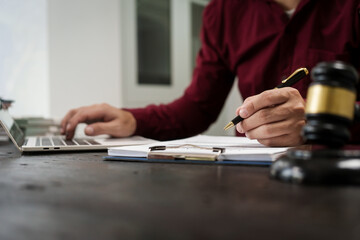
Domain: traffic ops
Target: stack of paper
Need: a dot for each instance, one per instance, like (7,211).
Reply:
(234,148)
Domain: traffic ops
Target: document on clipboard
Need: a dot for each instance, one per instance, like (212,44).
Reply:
(200,149)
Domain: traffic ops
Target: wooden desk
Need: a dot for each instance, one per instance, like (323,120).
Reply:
(80,196)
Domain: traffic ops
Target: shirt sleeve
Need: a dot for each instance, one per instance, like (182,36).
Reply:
(203,99)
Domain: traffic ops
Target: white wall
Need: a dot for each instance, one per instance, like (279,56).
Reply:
(23,56)
(84,54)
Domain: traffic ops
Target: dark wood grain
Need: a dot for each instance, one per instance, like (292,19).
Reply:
(80,196)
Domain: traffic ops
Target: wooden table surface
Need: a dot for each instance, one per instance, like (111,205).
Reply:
(80,196)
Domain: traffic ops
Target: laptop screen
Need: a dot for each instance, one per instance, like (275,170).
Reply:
(11,127)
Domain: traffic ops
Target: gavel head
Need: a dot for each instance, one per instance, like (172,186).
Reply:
(330,104)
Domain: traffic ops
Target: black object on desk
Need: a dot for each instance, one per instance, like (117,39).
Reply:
(322,166)
(330,104)
(330,110)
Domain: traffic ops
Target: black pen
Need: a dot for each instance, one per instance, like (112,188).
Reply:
(291,80)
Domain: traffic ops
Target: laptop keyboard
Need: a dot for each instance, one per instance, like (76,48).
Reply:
(59,141)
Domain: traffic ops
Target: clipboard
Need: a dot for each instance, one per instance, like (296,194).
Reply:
(185,154)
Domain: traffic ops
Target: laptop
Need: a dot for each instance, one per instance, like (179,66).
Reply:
(59,143)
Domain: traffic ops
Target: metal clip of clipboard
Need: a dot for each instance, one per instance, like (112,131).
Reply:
(185,152)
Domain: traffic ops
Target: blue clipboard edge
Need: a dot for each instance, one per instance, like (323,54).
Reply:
(224,162)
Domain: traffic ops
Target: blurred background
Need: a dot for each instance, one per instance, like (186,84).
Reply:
(60,54)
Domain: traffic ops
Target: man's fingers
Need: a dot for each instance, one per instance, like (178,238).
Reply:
(116,128)
(263,100)
(72,123)
(71,120)
(65,120)
(276,129)
(82,115)
(282,141)
(99,128)
(270,115)
(274,117)
(261,117)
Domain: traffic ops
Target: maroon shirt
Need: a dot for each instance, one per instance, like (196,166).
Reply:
(257,42)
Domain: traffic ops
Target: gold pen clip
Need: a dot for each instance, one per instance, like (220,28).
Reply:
(298,70)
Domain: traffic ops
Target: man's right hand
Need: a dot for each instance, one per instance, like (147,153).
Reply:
(101,119)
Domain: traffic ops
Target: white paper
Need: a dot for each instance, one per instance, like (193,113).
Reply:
(236,148)
(217,141)
(134,140)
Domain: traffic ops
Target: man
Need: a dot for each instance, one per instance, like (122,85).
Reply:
(259,41)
